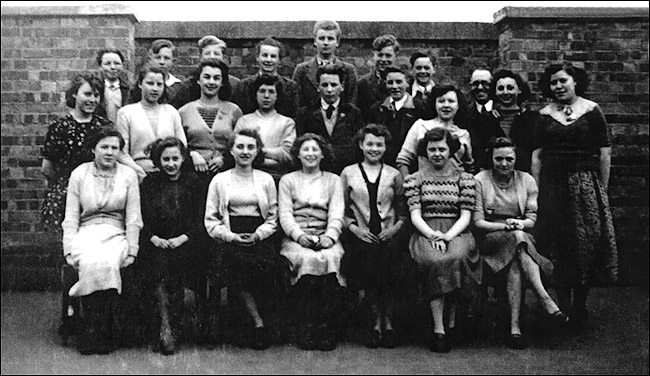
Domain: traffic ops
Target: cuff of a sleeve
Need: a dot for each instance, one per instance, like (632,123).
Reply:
(332,233)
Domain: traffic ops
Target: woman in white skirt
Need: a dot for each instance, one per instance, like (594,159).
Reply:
(311,214)
(100,235)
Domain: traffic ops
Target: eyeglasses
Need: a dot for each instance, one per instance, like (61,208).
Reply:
(479,83)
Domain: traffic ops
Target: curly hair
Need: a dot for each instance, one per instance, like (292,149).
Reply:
(439,91)
(579,76)
(435,135)
(523,86)
(376,130)
(328,155)
(95,83)
(252,133)
(158,147)
(386,40)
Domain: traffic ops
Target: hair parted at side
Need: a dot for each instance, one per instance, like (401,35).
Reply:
(579,76)
(252,133)
(158,147)
(96,84)
(384,41)
(420,54)
(226,89)
(105,133)
(523,86)
(149,68)
(333,68)
(161,43)
(270,42)
(327,25)
(328,155)
(211,40)
(435,135)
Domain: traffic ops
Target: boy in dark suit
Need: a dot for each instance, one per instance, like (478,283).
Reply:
(372,86)
(327,36)
(269,54)
(331,117)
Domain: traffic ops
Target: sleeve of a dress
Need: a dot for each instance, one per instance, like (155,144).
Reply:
(70,223)
(285,204)
(52,148)
(348,218)
(122,126)
(467,188)
(213,217)
(236,114)
(478,214)
(412,192)
(133,218)
(531,199)
(270,225)
(601,134)
(335,210)
(282,153)
(408,153)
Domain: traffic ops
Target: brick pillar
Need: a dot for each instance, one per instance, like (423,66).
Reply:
(42,49)
(612,45)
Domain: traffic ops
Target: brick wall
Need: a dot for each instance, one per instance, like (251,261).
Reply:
(43,47)
(612,45)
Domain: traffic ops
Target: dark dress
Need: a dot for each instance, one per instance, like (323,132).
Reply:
(66,146)
(574,221)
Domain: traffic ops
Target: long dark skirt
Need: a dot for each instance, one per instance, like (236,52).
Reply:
(372,266)
(575,228)
(252,267)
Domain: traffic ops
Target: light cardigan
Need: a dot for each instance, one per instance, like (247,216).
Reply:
(408,154)
(319,210)
(277,133)
(217,219)
(133,124)
(391,203)
(122,207)
(525,187)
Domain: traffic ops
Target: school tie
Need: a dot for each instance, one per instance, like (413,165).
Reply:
(329,111)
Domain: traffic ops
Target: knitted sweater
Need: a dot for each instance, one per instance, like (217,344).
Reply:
(440,196)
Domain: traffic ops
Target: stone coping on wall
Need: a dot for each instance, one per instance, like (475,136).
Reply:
(303,30)
(509,13)
(63,11)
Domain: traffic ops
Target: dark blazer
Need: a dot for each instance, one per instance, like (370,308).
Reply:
(286,104)
(125,90)
(397,122)
(305,77)
(190,91)
(427,103)
(371,89)
(482,127)
(310,120)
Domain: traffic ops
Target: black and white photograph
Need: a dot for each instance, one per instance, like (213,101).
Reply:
(325,187)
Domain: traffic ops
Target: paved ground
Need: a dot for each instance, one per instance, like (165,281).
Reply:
(615,343)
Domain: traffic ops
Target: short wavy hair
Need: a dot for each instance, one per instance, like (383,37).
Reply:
(332,68)
(435,135)
(422,53)
(149,68)
(226,89)
(328,155)
(104,51)
(266,79)
(211,40)
(523,86)
(270,42)
(579,76)
(95,83)
(327,25)
(376,130)
(105,133)
(158,147)
(253,133)
(384,41)
(158,44)
(440,90)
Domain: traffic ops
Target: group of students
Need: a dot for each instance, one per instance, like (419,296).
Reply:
(324,181)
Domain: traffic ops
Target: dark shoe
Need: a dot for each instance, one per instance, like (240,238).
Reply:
(388,339)
(327,340)
(558,318)
(439,343)
(373,339)
(308,339)
(260,339)
(516,341)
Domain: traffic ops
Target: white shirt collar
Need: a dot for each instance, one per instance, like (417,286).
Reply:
(488,106)
(400,103)
(324,105)
(108,84)
(171,80)
(417,87)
